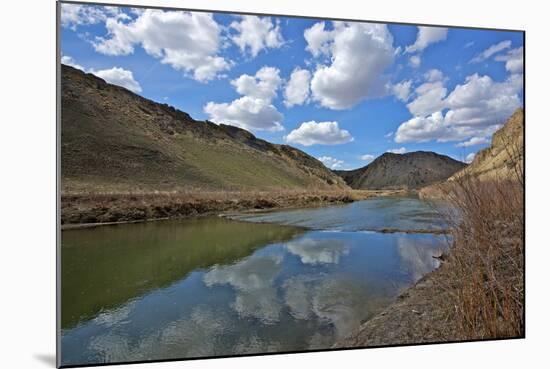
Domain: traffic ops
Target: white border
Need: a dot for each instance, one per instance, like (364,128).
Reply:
(27,152)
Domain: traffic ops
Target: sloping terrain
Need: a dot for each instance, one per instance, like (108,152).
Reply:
(113,140)
(504,158)
(404,171)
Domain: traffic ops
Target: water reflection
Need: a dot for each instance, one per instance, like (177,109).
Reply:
(343,302)
(312,251)
(333,300)
(252,280)
(213,287)
(417,255)
(105,267)
(190,336)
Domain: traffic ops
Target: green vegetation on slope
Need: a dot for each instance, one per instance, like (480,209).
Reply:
(113,140)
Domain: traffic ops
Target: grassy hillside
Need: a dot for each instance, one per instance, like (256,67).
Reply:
(113,140)
(405,171)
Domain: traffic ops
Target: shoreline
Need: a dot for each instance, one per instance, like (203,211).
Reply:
(93,210)
(415,316)
(425,312)
(431,311)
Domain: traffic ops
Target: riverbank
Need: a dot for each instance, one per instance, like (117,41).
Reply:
(415,317)
(112,208)
(478,291)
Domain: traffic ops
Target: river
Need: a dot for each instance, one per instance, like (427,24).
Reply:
(281,281)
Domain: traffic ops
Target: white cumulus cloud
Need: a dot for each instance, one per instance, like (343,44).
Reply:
(427,36)
(297,88)
(247,112)
(119,76)
(255,34)
(263,85)
(322,133)
(186,41)
(474,141)
(422,129)
(254,110)
(436,127)
(331,162)
(429,98)
(68,60)
(317,39)
(74,15)
(116,75)
(359,54)
(481,101)
(476,108)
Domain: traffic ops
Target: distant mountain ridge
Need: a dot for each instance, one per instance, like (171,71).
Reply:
(402,171)
(115,140)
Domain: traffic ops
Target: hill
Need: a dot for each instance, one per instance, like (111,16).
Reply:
(402,171)
(113,140)
(504,158)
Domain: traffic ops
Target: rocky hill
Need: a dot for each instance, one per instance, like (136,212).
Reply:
(504,158)
(113,140)
(402,171)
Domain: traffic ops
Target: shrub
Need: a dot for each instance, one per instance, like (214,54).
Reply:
(486,263)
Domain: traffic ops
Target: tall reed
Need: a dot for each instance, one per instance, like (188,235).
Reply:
(486,263)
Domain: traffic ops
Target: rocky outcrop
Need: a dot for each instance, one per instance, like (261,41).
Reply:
(504,159)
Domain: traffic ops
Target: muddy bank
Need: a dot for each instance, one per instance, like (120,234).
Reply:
(417,316)
(116,208)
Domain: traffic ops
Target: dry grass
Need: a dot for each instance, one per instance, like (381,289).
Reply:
(486,264)
(484,275)
(78,208)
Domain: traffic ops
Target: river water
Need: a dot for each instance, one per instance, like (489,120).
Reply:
(281,281)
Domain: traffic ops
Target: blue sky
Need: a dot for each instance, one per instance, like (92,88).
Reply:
(344,92)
